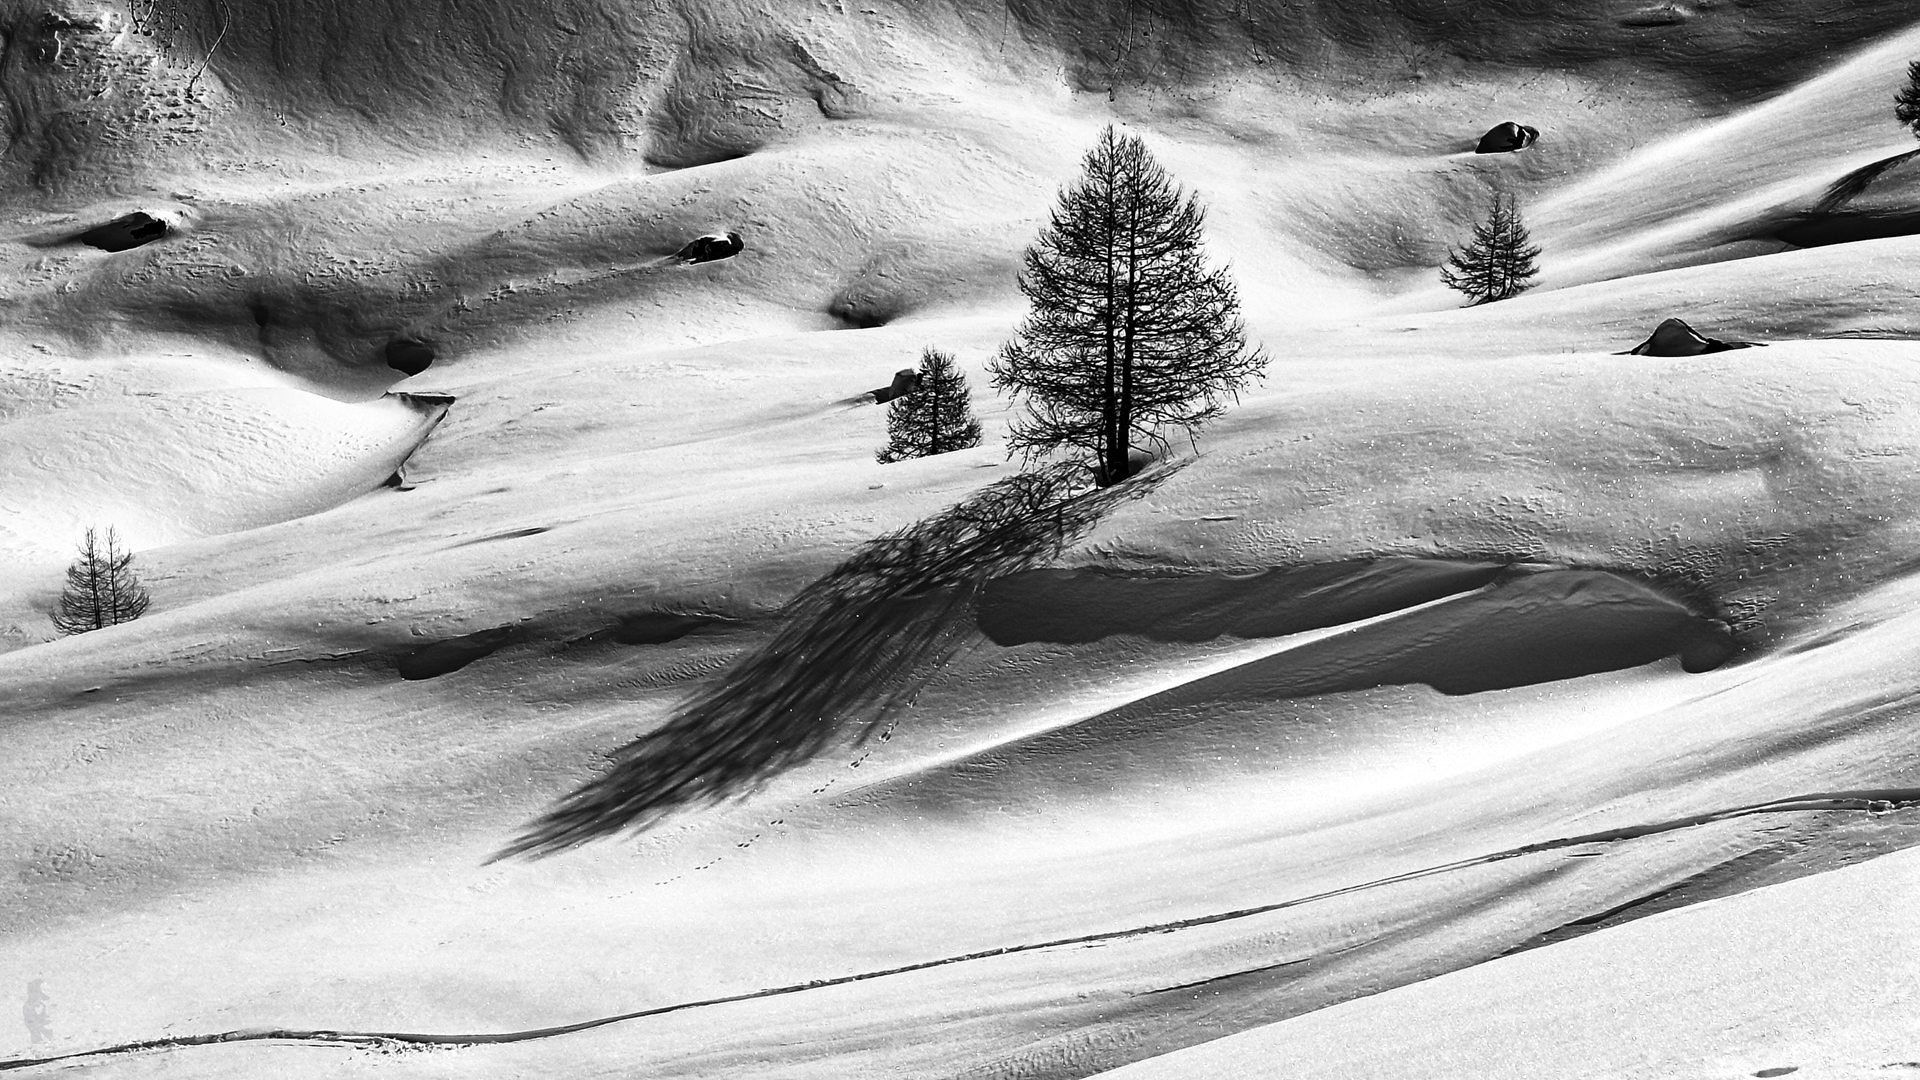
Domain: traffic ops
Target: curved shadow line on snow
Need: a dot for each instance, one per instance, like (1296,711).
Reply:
(1856,183)
(1875,801)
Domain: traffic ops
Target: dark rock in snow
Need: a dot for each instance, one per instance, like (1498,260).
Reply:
(1507,137)
(710,248)
(905,381)
(409,356)
(125,232)
(1675,338)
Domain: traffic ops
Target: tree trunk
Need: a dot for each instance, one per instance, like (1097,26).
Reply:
(1119,470)
(1110,410)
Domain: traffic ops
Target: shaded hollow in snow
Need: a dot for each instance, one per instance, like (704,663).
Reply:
(1517,630)
(659,627)
(1078,605)
(1312,719)
(447,657)
(1872,202)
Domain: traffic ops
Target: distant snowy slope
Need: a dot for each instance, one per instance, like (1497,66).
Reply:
(1725,188)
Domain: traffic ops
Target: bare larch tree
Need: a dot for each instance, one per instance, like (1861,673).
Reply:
(102,589)
(1129,333)
(1499,262)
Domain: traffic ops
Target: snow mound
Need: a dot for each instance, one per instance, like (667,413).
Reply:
(166,466)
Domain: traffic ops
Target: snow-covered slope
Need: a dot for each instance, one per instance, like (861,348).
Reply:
(1714,990)
(1462,635)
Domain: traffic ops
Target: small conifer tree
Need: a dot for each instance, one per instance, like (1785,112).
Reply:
(1498,263)
(936,418)
(102,589)
(1906,104)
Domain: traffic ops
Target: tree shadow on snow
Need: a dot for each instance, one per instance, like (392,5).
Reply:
(857,644)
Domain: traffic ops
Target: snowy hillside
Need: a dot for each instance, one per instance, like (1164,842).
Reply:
(1471,679)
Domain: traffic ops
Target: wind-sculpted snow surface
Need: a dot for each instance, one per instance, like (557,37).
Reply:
(1871,802)
(857,643)
(684,84)
(1717,990)
(173,465)
(1460,636)
(1269,713)
(1087,604)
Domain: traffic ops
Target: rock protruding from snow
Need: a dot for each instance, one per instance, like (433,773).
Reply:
(710,248)
(1506,138)
(125,232)
(1675,338)
(905,381)
(409,355)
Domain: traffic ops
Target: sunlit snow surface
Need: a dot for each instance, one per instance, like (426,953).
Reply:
(1455,810)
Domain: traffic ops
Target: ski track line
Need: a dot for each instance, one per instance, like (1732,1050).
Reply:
(1877,801)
